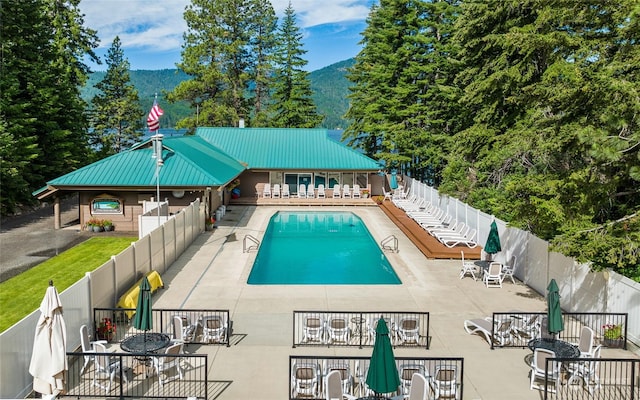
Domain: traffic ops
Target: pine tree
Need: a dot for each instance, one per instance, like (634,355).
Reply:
(292,105)
(117,119)
(218,55)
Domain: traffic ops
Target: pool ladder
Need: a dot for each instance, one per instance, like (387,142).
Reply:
(249,243)
(390,243)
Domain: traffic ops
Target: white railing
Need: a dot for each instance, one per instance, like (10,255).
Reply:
(581,290)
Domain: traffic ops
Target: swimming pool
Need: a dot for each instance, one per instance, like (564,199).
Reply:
(320,248)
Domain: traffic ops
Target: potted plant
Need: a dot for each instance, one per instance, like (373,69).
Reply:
(209,223)
(95,225)
(378,199)
(106,330)
(612,334)
(365,193)
(107,225)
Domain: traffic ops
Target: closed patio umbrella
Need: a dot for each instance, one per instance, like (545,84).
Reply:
(393,183)
(143,320)
(554,313)
(49,359)
(382,376)
(493,240)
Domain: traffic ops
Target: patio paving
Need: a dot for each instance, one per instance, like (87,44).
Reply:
(212,273)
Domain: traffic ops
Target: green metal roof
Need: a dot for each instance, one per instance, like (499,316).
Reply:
(287,148)
(187,161)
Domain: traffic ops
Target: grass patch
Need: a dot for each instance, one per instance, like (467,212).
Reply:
(22,294)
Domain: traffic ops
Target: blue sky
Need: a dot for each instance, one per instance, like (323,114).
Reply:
(151,31)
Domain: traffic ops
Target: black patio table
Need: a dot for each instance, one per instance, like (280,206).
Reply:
(561,348)
(145,342)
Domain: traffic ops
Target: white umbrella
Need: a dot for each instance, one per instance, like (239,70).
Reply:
(49,359)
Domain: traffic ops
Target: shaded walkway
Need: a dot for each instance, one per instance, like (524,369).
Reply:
(427,244)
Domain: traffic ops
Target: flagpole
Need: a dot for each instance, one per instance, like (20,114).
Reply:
(154,126)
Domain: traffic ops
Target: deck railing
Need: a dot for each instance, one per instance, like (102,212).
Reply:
(357,328)
(307,375)
(530,325)
(136,378)
(592,378)
(195,321)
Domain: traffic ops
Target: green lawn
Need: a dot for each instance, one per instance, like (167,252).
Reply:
(22,294)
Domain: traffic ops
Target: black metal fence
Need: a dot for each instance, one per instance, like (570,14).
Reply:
(590,378)
(200,326)
(125,375)
(516,328)
(307,375)
(357,328)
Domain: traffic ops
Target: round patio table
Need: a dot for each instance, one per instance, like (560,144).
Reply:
(145,342)
(561,348)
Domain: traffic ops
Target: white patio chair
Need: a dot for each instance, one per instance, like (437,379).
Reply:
(586,371)
(285,191)
(338,329)
(321,191)
(266,191)
(406,371)
(311,193)
(538,370)
(275,193)
(493,275)
(408,330)
(468,267)
(356,191)
(336,191)
(106,369)
(509,268)
(88,347)
(344,372)
(214,328)
(304,379)
(165,363)
(313,328)
(445,382)
(334,386)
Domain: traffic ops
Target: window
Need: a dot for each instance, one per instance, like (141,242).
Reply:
(106,205)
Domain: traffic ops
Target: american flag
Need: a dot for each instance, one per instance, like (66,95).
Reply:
(153,120)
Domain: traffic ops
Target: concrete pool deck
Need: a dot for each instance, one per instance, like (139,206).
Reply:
(213,271)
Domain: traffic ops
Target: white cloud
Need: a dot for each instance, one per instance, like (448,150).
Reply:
(159,24)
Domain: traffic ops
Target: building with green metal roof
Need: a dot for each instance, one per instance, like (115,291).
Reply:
(207,166)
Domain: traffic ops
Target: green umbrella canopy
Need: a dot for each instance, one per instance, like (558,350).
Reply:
(143,319)
(382,376)
(493,240)
(554,313)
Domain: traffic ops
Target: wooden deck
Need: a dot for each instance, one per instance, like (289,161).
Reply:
(428,245)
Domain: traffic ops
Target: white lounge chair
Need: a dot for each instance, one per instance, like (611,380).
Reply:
(275,194)
(266,191)
(499,334)
(285,191)
(302,191)
(356,191)
(321,191)
(346,192)
(336,191)
(467,239)
(311,193)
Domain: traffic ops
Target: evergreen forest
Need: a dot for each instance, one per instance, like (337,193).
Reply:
(525,109)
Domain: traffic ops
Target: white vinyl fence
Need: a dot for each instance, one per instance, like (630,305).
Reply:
(581,290)
(100,288)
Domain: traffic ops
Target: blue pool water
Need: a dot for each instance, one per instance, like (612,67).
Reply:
(320,248)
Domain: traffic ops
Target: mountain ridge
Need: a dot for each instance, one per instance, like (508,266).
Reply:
(329,84)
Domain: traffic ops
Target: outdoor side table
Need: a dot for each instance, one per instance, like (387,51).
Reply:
(561,348)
